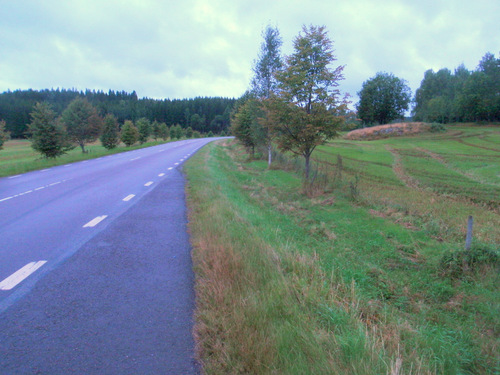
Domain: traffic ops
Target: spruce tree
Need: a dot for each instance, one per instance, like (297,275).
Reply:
(48,136)
(144,127)
(163,131)
(110,132)
(129,133)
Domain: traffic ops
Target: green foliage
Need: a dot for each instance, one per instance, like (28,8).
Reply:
(196,134)
(163,131)
(383,98)
(461,263)
(144,127)
(176,132)
(197,122)
(189,132)
(110,137)
(48,136)
(244,124)
(437,127)
(4,135)
(15,107)
(129,133)
(303,116)
(155,129)
(268,63)
(210,134)
(464,95)
(82,122)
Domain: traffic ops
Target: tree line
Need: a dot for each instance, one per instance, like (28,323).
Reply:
(202,114)
(460,96)
(442,97)
(80,124)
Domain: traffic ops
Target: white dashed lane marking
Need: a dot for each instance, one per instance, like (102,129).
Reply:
(161,175)
(18,276)
(128,197)
(148,183)
(31,191)
(95,221)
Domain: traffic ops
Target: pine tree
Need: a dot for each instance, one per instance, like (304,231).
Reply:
(129,133)
(110,132)
(163,131)
(48,136)
(144,127)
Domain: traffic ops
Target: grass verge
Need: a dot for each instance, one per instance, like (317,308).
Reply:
(290,284)
(18,157)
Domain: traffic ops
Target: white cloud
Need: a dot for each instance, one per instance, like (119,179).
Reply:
(206,47)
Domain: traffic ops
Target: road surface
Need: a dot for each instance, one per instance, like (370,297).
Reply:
(95,267)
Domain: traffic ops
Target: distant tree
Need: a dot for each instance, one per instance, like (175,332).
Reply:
(155,130)
(197,122)
(244,124)
(129,133)
(210,134)
(196,134)
(110,137)
(189,132)
(176,132)
(47,134)
(264,82)
(163,131)
(82,122)
(4,134)
(144,127)
(304,114)
(383,98)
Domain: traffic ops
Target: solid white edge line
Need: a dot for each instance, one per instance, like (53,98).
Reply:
(95,221)
(18,276)
(16,176)
(128,197)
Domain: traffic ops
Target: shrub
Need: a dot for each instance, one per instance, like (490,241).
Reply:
(457,264)
(436,127)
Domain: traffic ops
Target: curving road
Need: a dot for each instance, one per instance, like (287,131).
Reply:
(95,267)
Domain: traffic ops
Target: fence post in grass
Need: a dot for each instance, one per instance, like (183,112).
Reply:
(468,239)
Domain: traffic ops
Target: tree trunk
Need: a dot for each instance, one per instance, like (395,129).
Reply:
(307,156)
(269,155)
(82,145)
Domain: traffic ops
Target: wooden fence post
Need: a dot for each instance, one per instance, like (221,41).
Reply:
(468,239)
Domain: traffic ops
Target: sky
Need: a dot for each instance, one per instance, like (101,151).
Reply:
(189,48)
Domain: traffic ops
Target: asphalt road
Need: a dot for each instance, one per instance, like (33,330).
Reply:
(95,267)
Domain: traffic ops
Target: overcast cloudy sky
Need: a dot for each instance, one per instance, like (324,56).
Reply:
(188,48)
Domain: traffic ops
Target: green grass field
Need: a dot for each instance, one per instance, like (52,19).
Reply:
(365,275)
(18,157)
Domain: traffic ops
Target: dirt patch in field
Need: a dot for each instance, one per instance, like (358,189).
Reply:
(385,131)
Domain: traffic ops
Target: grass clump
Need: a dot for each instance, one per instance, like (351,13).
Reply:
(458,264)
